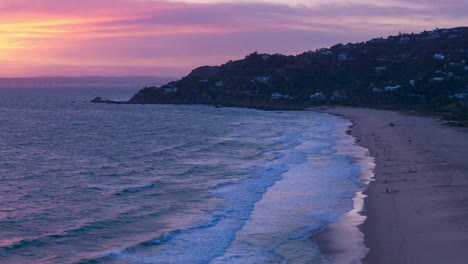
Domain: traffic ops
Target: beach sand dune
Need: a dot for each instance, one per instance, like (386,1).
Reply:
(417,207)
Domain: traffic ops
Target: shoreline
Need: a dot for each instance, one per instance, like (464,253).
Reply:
(416,210)
(343,240)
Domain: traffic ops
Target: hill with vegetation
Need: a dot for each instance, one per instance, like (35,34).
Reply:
(425,72)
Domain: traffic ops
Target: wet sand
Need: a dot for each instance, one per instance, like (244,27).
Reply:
(417,207)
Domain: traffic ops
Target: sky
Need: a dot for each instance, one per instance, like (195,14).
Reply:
(169,38)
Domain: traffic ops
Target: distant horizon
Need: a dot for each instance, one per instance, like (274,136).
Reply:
(200,65)
(140,81)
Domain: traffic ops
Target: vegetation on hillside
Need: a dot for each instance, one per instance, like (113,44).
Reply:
(425,72)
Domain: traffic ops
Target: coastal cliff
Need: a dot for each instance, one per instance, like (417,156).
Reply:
(425,71)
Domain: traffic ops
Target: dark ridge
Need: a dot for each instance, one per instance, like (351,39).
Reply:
(425,72)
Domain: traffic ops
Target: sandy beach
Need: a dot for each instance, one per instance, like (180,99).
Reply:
(417,207)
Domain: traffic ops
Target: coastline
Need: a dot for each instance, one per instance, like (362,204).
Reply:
(416,210)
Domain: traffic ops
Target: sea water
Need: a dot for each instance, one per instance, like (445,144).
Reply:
(101,183)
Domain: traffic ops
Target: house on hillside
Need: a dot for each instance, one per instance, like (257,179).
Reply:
(336,95)
(433,34)
(404,40)
(454,36)
(276,96)
(438,79)
(392,88)
(439,56)
(170,90)
(344,57)
(261,79)
(318,96)
(463,96)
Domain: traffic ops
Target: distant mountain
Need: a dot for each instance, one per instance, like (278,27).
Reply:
(425,71)
(87,81)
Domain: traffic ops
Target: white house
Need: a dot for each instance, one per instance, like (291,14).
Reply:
(276,96)
(344,57)
(412,82)
(392,88)
(438,79)
(439,56)
(338,95)
(377,90)
(433,35)
(463,96)
(261,79)
(171,90)
(219,84)
(327,52)
(318,96)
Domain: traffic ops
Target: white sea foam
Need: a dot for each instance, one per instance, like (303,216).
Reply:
(270,215)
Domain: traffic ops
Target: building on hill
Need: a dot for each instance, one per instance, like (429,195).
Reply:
(318,96)
(392,88)
(344,57)
(463,96)
(276,96)
(261,79)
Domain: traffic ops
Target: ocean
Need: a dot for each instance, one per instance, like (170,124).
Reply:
(101,183)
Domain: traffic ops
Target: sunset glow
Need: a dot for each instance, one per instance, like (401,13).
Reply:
(148,37)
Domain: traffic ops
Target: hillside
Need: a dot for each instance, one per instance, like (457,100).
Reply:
(425,71)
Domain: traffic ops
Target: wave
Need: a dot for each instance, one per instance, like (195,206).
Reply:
(136,188)
(39,240)
(120,190)
(202,243)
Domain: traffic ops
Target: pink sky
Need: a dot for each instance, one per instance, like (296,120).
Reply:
(169,38)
